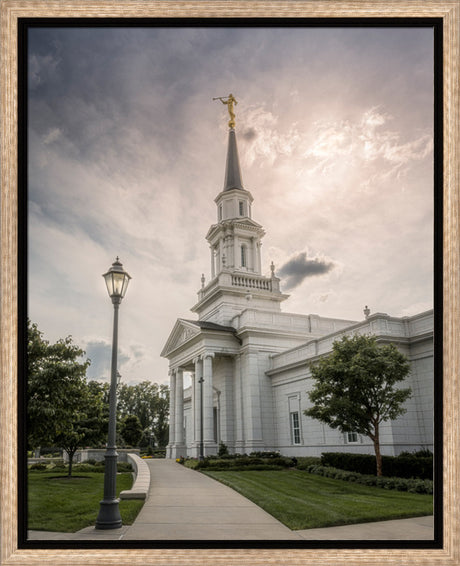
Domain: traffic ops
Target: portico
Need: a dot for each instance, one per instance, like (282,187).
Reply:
(202,351)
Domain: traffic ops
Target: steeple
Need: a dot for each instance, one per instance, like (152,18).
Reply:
(233,178)
(235,244)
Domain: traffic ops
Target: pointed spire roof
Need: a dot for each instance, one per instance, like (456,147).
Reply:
(233,178)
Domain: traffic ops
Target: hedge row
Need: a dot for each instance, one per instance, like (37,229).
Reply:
(244,463)
(403,466)
(400,484)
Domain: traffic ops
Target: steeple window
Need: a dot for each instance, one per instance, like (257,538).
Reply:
(241,208)
(221,206)
(244,256)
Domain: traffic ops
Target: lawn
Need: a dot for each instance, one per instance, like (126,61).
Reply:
(62,504)
(305,501)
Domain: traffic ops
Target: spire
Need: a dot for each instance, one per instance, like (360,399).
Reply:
(232,171)
(233,178)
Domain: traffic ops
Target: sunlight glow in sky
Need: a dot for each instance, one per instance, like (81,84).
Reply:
(127,153)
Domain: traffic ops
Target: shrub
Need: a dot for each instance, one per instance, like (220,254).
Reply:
(267,454)
(38,467)
(223,450)
(400,484)
(417,465)
(304,461)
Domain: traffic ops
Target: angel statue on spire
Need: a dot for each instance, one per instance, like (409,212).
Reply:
(231,100)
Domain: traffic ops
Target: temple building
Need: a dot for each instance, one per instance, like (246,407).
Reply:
(248,360)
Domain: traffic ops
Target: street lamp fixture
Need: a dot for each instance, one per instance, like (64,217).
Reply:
(109,516)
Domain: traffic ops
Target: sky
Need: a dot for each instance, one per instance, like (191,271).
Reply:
(127,153)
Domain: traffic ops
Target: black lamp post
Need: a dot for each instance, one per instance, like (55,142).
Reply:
(109,516)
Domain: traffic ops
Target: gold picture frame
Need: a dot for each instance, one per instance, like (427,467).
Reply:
(11,11)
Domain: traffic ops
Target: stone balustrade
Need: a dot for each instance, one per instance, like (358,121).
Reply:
(251,282)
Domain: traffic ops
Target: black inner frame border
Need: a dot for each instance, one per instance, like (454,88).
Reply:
(436,24)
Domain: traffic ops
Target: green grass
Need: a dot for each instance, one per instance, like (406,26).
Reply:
(305,501)
(62,504)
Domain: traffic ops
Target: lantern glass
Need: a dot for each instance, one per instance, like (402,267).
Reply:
(116,280)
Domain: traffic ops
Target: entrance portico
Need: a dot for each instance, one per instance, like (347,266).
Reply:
(201,351)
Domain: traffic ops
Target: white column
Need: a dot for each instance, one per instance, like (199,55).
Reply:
(213,268)
(198,375)
(238,404)
(179,407)
(208,409)
(251,402)
(219,257)
(193,401)
(254,255)
(172,410)
(236,252)
(259,259)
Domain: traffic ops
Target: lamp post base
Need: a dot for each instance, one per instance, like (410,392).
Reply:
(109,515)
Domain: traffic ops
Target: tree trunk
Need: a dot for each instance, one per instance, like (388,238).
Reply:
(71,454)
(378,456)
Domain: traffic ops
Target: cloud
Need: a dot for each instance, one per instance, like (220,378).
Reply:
(99,351)
(265,138)
(363,143)
(299,267)
(249,134)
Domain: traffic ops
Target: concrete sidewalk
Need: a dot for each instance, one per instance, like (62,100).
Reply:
(185,505)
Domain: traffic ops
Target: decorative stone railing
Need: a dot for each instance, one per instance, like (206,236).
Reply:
(251,282)
(241,280)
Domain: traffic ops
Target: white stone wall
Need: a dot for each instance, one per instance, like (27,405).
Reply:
(414,431)
(291,378)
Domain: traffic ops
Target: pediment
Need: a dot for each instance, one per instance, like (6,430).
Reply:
(182,332)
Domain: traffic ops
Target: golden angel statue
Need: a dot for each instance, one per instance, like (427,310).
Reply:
(231,100)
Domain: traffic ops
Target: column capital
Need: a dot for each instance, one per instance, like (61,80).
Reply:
(208,355)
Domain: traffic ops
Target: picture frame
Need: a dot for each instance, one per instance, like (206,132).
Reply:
(11,12)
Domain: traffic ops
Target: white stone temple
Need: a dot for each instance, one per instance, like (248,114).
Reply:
(248,360)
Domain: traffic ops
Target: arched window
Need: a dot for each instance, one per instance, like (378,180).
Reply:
(241,208)
(243,256)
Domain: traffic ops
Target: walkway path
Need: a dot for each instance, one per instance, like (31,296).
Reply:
(185,505)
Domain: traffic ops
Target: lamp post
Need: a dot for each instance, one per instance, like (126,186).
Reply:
(200,381)
(109,516)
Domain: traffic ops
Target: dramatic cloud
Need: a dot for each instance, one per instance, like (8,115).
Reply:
(363,142)
(299,267)
(127,153)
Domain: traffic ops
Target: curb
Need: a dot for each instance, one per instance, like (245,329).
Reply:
(141,484)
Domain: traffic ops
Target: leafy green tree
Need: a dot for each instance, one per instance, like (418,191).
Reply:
(356,389)
(90,423)
(56,377)
(150,403)
(131,430)
(62,408)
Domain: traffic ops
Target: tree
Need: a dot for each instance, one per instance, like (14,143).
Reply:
(355,389)
(150,403)
(90,424)
(62,408)
(131,430)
